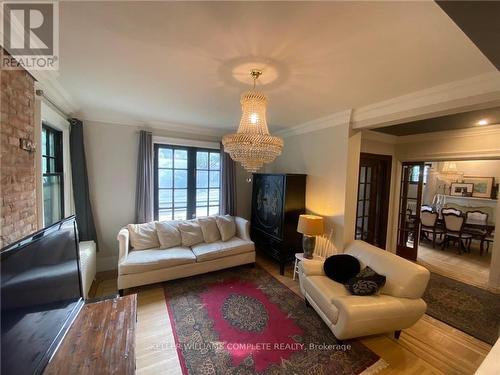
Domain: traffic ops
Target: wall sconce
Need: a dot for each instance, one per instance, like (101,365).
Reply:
(27,144)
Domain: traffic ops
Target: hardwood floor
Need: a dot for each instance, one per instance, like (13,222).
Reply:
(429,347)
(470,268)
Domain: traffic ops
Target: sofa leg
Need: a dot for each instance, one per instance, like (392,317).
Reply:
(120,292)
(397,334)
(307,302)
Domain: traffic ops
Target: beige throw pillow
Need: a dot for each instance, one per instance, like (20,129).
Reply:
(191,233)
(143,236)
(168,234)
(227,226)
(209,229)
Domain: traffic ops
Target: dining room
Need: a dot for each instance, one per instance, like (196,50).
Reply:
(457,218)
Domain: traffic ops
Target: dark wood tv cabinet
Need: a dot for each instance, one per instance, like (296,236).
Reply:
(101,340)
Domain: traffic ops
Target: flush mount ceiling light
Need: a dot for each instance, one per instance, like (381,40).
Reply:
(252,145)
(482,122)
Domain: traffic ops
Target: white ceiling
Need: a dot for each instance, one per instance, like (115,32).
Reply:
(183,62)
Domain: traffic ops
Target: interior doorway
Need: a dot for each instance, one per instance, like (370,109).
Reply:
(373,198)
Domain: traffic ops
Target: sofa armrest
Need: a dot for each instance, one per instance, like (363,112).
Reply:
(242,228)
(123,243)
(311,268)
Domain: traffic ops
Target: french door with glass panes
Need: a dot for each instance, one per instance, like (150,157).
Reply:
(186,182)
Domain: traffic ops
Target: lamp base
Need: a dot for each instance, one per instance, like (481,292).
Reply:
(308,245)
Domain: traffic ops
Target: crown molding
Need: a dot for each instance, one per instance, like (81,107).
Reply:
(336,119)
(174,127)
(379,137)
(434,101)
(486,131)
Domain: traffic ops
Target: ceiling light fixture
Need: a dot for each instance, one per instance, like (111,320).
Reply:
(482,122)
(252,145)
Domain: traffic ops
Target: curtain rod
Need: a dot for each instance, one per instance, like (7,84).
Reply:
(42,94)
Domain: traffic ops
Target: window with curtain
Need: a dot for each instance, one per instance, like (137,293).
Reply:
(187,182)
(52,175)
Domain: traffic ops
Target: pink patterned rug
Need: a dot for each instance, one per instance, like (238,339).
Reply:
(244,321)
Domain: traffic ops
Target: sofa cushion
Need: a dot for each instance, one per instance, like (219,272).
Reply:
(209,229)
(138,261)
(227,227)
(168,234)
(366,283)
(191,233)
(143,236)
(341,267)
(220,249)
(322,291)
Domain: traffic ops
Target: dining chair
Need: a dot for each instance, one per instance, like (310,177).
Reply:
(426,207)
(451,210)
(476,225)
(428,225)
(453,232)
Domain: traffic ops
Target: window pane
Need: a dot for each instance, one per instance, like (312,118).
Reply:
(201,197)
(181,177)
(44,141)
(164,215)
(51,199)
(180,159)
(180,214)
(213,210)
(52,165)
(165,178)
(51,144)
(180,197)
(44,164)
(202,160)
(214,160)
(201,211)
(214,179)
(165,198)
(214,196)
(201,179)
(165,159)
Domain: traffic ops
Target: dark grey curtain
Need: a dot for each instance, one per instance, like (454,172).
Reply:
(144,187)
(228,191)
(83,209)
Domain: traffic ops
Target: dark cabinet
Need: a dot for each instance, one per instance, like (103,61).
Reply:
(277,202)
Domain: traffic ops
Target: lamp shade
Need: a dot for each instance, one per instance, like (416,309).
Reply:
(310,225)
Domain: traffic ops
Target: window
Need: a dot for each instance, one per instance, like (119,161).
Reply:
(187,182)
(52,175)
(415,172)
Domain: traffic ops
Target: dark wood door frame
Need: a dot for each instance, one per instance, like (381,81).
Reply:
(376,197)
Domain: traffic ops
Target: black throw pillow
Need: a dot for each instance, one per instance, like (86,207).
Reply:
(341,267)
(365,283)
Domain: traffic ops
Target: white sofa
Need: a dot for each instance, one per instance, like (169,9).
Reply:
(398,305)
(142,267)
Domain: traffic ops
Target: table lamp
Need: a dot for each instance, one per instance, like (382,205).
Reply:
(310,226)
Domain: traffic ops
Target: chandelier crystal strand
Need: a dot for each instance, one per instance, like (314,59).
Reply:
(252,145)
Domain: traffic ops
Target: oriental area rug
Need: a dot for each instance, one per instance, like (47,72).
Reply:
(244,321)
(472,310)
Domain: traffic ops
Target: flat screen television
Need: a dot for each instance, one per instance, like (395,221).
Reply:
(40,296)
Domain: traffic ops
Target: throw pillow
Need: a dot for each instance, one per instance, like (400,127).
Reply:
(227,226)
(143,236)
(168,234)
(341,267)
(365,283)
(191,233)
(209,229)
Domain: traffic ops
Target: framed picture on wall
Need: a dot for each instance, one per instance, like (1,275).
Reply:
(459,189)
(482,185)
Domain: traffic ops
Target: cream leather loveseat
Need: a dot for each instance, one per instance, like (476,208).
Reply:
(398,305)
(147,266)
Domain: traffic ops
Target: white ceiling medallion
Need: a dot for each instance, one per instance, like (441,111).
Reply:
(252,145)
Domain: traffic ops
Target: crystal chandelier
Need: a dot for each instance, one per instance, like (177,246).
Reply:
(252,145)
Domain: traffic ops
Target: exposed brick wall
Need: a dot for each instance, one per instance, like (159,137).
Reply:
(17,167)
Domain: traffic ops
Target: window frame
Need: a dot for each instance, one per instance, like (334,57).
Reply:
(191,178)
(58,164)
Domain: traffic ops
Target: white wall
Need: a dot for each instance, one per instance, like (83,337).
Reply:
(324,156)
(111,151)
